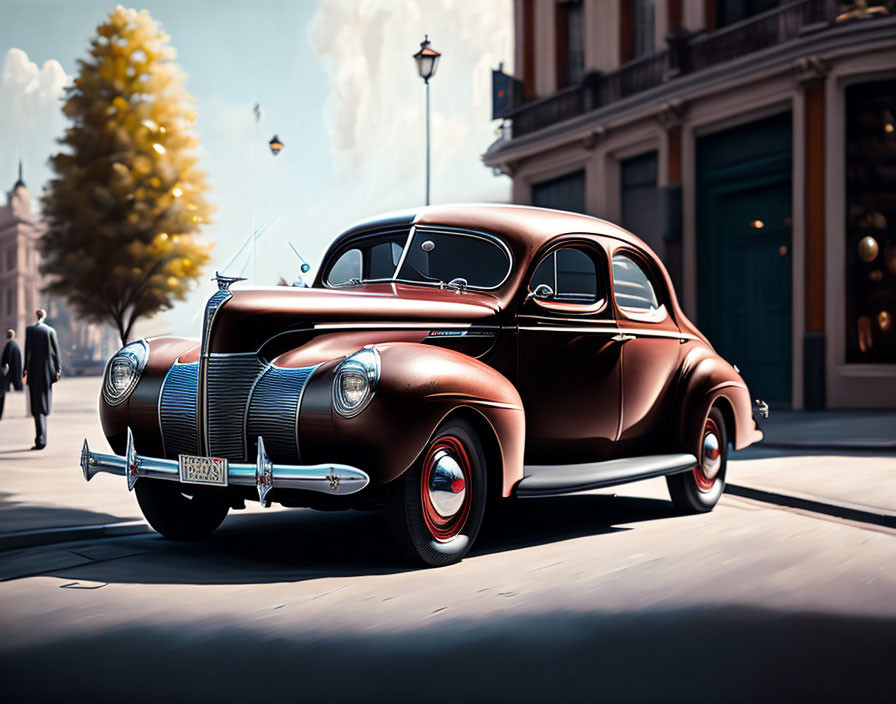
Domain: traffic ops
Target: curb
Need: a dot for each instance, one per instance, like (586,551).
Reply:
(51,536)
(865,446)
(849,512)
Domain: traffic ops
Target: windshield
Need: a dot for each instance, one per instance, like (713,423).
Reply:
(433,257)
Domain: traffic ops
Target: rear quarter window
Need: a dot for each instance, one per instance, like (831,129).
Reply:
(632,287)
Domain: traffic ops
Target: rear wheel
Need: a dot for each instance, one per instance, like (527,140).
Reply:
(700,489)
(177,514)
(435,509)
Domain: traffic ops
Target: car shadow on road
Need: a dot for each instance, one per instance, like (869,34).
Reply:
(19,516)
(721,653)
(298,545)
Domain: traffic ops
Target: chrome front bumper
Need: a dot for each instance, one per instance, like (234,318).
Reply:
(335,479)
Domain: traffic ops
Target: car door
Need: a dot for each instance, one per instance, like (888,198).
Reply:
(567,360)
(651,348)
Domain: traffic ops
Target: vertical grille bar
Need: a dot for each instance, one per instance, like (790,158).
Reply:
(218,299)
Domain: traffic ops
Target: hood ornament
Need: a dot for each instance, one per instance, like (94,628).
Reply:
(225,281)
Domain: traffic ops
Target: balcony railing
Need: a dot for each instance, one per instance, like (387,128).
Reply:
(686,54)
(758,32)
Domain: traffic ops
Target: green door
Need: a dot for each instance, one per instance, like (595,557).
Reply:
(744,199)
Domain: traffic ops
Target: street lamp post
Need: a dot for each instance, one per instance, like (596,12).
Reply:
(256,112)
(427,62)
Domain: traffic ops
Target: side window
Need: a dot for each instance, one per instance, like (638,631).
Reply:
(632,286)
(382,260)
(346,268)
(571,274)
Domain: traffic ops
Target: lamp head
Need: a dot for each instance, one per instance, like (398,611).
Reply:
(427,60)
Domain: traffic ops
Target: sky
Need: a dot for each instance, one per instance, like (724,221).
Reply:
(336,83)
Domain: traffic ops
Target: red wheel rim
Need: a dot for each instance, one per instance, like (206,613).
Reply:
(445,490)
(706,473)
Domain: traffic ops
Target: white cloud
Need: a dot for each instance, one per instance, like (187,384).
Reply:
(30,114)
(375,108)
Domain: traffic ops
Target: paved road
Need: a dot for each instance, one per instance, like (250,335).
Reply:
(592,596)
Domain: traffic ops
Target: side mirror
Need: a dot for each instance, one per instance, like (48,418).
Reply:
(542,292)
(458,285)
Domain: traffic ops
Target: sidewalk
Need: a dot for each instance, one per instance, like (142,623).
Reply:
(855,483)
(835,430)
(44,491)
(839,459)
(838,462)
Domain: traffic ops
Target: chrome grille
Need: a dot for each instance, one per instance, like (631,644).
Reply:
(218,299)
(177,410)
(211,308)
(273,411)
(228,381)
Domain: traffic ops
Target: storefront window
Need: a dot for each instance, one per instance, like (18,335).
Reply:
(871,222)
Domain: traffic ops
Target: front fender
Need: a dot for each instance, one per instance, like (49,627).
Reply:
(709,380)
(419,387)
(140,411)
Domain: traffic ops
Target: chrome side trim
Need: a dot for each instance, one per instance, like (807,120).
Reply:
(398,326)
(330,478)
(636,332)
(465,332)
(550,480)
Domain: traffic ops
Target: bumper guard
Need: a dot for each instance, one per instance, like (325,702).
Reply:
(334,479)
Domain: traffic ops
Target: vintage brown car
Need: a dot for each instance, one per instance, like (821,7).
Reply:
(443,358)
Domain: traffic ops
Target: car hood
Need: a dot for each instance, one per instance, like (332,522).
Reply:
(252,316)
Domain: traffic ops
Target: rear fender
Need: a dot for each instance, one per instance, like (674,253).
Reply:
(710,381)
(419,387)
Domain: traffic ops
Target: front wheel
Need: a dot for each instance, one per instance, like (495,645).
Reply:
(179,515)
(435,509)
(699,490)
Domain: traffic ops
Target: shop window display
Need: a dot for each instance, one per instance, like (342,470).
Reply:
(871,222)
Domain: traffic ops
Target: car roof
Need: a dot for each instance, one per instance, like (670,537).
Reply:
(527,227)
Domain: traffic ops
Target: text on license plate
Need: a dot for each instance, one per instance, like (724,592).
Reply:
(202,470)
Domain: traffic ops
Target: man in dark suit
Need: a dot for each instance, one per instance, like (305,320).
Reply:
(42,370)
(10,367)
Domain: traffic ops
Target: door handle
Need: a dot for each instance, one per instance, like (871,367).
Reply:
(622,337)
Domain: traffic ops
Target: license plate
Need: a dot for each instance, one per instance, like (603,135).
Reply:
(202,470)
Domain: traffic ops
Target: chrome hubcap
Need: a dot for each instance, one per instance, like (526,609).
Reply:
(712,455)
(447,487)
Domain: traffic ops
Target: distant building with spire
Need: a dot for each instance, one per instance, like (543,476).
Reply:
(20,281)
(84,347)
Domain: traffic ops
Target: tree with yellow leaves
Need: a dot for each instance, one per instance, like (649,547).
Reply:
(127,200)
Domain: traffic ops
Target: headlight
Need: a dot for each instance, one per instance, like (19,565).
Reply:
(123,372)
(355,382)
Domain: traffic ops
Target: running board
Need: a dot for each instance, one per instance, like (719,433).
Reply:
(550,480)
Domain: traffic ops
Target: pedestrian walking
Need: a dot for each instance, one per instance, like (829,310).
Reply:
(10,367)
(42,369)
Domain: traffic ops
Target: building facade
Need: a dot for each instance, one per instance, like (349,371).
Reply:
(752,144)
(20,230)
(84,347)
